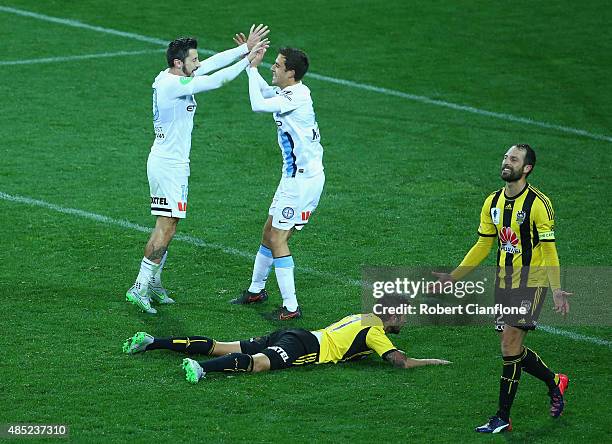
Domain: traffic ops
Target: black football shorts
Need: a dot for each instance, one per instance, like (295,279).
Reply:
(529,300)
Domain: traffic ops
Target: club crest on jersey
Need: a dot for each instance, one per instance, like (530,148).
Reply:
(520,217)
(288,212)
(508,241)
(495,215)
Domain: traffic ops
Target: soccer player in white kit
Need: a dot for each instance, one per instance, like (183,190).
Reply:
(298,193)
(174,106)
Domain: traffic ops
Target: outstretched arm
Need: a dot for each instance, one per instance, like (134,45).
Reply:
(560,296)
(221,60)
(276,103)
(193,85)
(245,45)
(267,91)
(259,103)
(398,359)
(472,259)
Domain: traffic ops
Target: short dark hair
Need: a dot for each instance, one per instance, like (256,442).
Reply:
(179,49)
(530,155)
(296,60)
(394,301)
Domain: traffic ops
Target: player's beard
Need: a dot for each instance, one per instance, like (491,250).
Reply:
(512,176)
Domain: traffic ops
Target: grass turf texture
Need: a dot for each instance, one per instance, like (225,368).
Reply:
(405,185)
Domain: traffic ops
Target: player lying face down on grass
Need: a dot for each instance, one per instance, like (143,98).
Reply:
(352,337)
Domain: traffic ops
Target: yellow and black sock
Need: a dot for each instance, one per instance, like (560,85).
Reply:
(192,345)
(508,384)
(533,364)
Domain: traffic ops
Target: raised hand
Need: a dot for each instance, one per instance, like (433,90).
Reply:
(560,299)
(240,39)
(443,278)
(257,53)
(256,34)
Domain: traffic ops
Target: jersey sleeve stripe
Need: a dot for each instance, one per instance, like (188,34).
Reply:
(546,202)
(486,235)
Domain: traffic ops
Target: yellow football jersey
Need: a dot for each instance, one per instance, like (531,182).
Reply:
(521,224)
(353,337)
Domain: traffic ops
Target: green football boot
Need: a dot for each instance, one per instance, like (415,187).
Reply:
(160,295)
(137,343)
(142,301)
(193,371)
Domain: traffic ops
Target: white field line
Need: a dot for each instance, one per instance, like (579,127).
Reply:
(180,237)
(574,336)
(78,57)
(235,252)
(349,83)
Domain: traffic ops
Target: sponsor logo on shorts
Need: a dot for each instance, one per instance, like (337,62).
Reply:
(305,215)
(159,200)
(281,352)
(182,206)
(288,212)
(191,108)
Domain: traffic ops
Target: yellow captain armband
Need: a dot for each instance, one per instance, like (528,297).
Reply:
(547,236)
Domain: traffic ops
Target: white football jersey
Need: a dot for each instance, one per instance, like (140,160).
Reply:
(172,118)
(174,104)
(298,132)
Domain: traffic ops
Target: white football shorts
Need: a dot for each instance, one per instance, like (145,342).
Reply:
(169,187)
(295,200)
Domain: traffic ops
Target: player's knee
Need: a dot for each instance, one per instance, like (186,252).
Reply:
(278,238)
(261,363)
(511,341)
(167,227)
(266,239)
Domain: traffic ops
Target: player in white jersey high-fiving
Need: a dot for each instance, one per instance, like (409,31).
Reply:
(301,184)
(174,106)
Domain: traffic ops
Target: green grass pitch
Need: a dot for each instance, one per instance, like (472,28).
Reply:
(405,182)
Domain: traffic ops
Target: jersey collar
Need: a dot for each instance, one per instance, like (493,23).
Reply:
(518,195)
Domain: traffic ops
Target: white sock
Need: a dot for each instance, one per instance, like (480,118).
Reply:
(147,271)
(156,279)
(283,267)
(261,269)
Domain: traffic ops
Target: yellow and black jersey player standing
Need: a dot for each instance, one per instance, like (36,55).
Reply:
(522,219)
